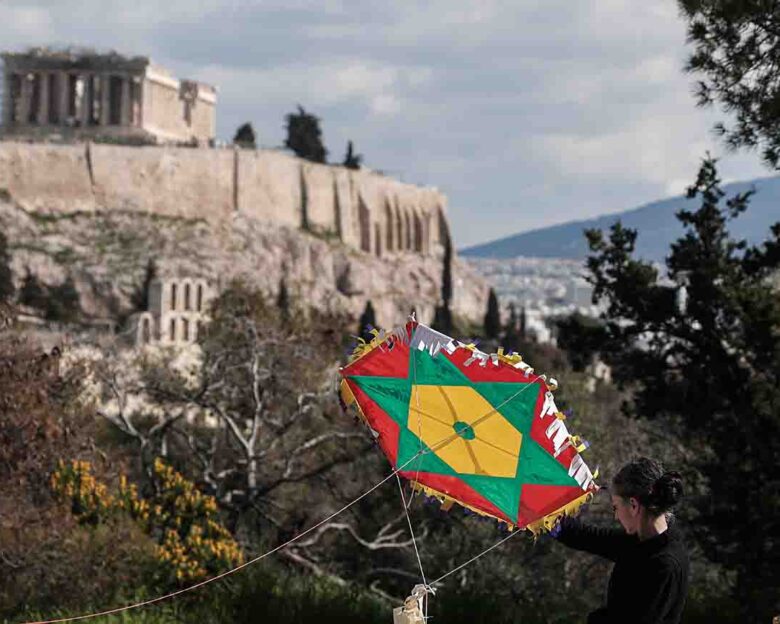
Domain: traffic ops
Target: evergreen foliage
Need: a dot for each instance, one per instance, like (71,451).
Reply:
(367,321)
(283,300)
(245,136)
(442,320)
(140,297)
(736,55)
(6,277)
(352,160)
(304,136)
(492,316)
(62,302)
(511,339)
(32,293)
(523,323)
(446,280)
(710,370)
(580,336)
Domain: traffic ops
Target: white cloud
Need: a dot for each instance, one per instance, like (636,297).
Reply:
(655,149)
(24,24)
(521,111)
(385,105)
(377,86)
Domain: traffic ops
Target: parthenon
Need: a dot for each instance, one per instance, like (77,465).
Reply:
(76,93)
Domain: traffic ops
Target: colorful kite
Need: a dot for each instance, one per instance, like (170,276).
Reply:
(464,426)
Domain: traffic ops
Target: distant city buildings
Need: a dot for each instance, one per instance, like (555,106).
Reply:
(546,287)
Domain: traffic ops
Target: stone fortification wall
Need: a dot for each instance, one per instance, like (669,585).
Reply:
(179,182)
(47,178)
(364,209)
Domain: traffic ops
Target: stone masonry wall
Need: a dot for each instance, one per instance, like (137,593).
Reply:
(178,182)
(364,209)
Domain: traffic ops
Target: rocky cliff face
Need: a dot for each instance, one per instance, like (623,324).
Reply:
(106,255)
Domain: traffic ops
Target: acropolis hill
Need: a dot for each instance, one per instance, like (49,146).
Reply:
(338,236)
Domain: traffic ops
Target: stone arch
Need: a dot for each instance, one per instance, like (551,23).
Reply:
(407,230)
(170,328)
(389,226)
(399,227)
(173,296)
(426,232)
(199,300)
(417,238)
(146,329)
(188,294)
(142,328)
(364,225)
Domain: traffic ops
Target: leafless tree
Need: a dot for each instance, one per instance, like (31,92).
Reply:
(255,418)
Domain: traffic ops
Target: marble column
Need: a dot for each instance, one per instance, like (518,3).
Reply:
(8,102)
(43,99)
(138,105)
(24,99)
(86,99)
(105,99)
(63,99)
(124,116)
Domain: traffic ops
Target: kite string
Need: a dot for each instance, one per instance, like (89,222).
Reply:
(419,423)
(445,441)
(473,559)
(395,472)
(237,568)
(411,530)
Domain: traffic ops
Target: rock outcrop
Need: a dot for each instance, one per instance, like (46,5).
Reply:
(106,254)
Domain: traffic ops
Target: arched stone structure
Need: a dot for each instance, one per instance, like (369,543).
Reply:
(417,231)
(142,328)
(377,240)
(364,225)
(389,227)
(399,238)
(177,310)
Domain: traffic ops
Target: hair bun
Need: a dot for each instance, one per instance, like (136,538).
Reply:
(667,490)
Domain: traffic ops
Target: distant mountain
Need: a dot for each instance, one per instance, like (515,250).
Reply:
(656,224)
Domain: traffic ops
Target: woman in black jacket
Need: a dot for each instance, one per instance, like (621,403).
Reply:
(649,581)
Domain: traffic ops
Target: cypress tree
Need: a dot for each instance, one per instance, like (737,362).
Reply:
(6,277)
(32,293)
(492,316)
(283,300)
(245,136)
(367,321)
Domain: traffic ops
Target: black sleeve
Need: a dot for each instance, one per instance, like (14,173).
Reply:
(607,543)
(655,596)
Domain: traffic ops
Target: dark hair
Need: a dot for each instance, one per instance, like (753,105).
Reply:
(645,480)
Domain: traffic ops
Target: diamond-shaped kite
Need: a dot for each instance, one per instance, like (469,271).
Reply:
(464,426)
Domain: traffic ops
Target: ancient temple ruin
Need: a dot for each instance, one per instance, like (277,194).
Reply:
(72,94)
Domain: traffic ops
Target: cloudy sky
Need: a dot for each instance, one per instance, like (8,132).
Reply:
(525,113)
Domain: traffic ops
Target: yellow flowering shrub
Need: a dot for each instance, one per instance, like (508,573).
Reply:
(192,543)
(89,498)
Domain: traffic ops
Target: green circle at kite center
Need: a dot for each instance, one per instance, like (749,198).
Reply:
(464,430)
